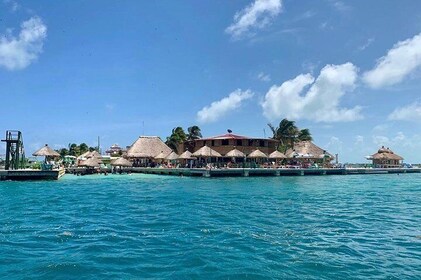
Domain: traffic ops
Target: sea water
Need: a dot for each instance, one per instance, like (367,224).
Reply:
(156,227)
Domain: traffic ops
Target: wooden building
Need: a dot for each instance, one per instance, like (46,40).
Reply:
(386,158)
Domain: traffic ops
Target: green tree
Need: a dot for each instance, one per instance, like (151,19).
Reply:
(286,133)
(74,150)
(304,135)
(194,133)
(63,152)
(178,136)
(83,148)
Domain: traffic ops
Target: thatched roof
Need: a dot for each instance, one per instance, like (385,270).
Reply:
(205,151)
(161,155)
(121,162)
(186,155)
(91,162)
(257,154)
(89,155)
(386,154)
(147,147)
(277,154)
(172,156)
(235,153)
(307,149)
(46,151)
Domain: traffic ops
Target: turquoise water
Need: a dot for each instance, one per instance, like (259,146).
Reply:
(155,227)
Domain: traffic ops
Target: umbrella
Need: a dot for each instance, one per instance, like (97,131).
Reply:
(277,155)
(172,156)
(91,162)
(46,151)
(137,155)
(186,155)
(121,162)
(161,155)
(205,151)
(257,154)
(235,154)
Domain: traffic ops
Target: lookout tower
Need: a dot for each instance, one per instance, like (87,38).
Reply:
(15,155)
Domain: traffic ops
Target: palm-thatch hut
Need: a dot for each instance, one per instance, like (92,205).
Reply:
(206,152)
(91,162)
(257,154)
(234,153)
(277,155)
(386,158)
(186,155)
(307,153)
(121,162)
(146,148)
(161,156)
(172,156)
(46,151)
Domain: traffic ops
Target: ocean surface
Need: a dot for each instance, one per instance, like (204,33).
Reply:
(157,227)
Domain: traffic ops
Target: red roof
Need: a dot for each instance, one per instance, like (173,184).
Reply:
(231,136)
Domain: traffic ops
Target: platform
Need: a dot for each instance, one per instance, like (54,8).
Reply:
(31,174)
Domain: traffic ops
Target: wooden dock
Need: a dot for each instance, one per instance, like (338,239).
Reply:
(31,174)
(260,172)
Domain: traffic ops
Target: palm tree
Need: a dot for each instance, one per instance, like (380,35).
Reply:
(193,133)
(304,135)
(178,136)
(285,133)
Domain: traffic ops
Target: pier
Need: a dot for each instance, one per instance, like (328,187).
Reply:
(27,174)
(261,172)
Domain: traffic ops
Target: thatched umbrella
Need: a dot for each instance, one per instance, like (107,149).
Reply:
(138,155)
(46,151)
(206,152)
(186,155)
(121,162)
(172,156)
(91,162)
(277,155)
(257,154)
(161,155)
(234,153)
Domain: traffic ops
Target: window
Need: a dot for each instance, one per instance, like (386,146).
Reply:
(225,142)
(213,143)
(239,142)
(261,143)
(251,142)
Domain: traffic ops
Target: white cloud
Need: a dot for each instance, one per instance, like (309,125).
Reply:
(334,145)
(14,6)
(397,64)
(263,77)
(219,109)
(255,16)
(340,6)
(18,52)
(411,112)
(366,44)
(320,103)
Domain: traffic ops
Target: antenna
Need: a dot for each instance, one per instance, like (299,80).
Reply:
(143,128)
(264,132)
(99,149)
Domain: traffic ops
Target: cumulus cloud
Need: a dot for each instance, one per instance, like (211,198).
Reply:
(19,52)
(220,108)
(411,112)
(306,97)
(255,16)
(397,64)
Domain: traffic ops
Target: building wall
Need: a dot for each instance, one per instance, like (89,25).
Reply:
(244,145)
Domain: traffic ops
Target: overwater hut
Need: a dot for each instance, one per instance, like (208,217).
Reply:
(386,158)
(277,156)
(307,153)
(50,157)
(161,156)
(172,156)
(146,148)
(206,154)
(187,158)
(121,162)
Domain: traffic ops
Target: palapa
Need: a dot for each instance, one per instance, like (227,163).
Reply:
(148,147)
(91,162)
(205,151)
(307,149)
(277,155)
(186,155)
(257,154)
(161,155)
(121,162)
(46,151)
(235,154)
(172,156)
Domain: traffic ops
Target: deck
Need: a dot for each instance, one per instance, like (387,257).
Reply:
(31,174)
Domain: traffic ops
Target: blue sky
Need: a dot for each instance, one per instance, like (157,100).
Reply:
(71,71)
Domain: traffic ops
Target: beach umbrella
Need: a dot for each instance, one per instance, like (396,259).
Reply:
(161,155)
(257,154)
(277,155)
(205,151)
(186,155)
(121,162)
(234,153)
(91,162)
(46,151)
(137,155)
(172,156)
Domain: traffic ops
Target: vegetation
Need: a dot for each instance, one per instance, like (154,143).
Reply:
(287,133)
(76,150)
(178,136)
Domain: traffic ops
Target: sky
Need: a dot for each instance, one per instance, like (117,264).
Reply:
(350,71)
